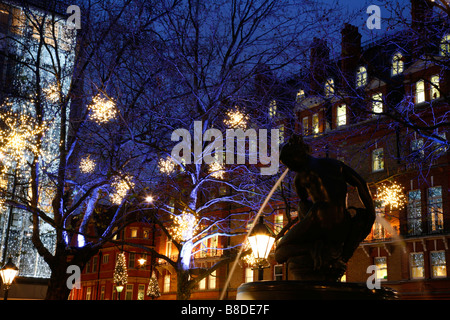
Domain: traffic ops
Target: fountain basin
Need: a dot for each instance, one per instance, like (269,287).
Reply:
(312,290)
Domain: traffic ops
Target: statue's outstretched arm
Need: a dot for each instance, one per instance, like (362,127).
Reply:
(355,180)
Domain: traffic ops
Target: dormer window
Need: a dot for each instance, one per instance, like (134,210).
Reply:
(434,89)
(300,95)
(329,87)
(361,77)
(272,109)
(397,64)
(377,103)
(445,46)
(341,115)
(420,91)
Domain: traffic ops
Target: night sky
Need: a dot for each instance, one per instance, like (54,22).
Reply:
(360,16)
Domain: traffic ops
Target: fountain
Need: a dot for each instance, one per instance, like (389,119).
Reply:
(317,248)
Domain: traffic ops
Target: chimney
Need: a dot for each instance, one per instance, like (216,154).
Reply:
(319,60)
(421,14)
(350,53)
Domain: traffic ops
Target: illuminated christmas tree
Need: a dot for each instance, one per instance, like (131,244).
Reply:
(120,271)
(153,287)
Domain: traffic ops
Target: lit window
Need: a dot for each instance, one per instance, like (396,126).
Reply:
(141,292)
(397,64)
(377,103)
(420,91)
(212,280)
(134,233)
(214,244)
(341,116)
(377,160)
(88,293)
(434,89)
(305,125)
(438,264)
(417,266)
(329,87)
(202,284)
(248,275)
(300,95)
(204,248)
(361,77)
(315,123)
(281,133)
(272,109)
(445,45)
(168,248)
(378,229)
(166,287)
(440,148)
(435,213)
(381,264)
(414,212)
(417,148)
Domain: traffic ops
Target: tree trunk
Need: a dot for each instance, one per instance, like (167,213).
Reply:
(183,285)
(57,286)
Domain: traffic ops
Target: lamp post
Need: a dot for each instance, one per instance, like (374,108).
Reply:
(119,289)
(8,274)
(261,240)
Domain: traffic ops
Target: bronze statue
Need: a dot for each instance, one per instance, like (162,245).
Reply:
(319,246)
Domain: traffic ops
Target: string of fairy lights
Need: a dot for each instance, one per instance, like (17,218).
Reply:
(184,226)
(391,194)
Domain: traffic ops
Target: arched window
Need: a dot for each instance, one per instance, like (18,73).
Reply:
(397,64)
(361,77)
(329,87)
(445,45)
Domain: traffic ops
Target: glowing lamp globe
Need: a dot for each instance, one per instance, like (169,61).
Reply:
(8,273)
(261,240)
(119,289)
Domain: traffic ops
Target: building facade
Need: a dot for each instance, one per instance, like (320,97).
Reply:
(33,36)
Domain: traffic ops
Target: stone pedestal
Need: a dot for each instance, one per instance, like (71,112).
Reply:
(311,290)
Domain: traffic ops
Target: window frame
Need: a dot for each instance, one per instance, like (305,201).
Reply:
(411,266)
(432,270)
(379,150)
(329,88)
(361,77)
(414,212)
(444,46)
(435,87)
(419,93)
(397,64)
(341,119)
(435,220)
(377,103)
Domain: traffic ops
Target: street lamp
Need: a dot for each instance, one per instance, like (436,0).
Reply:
(261,240)
(8,273)
(119,289)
